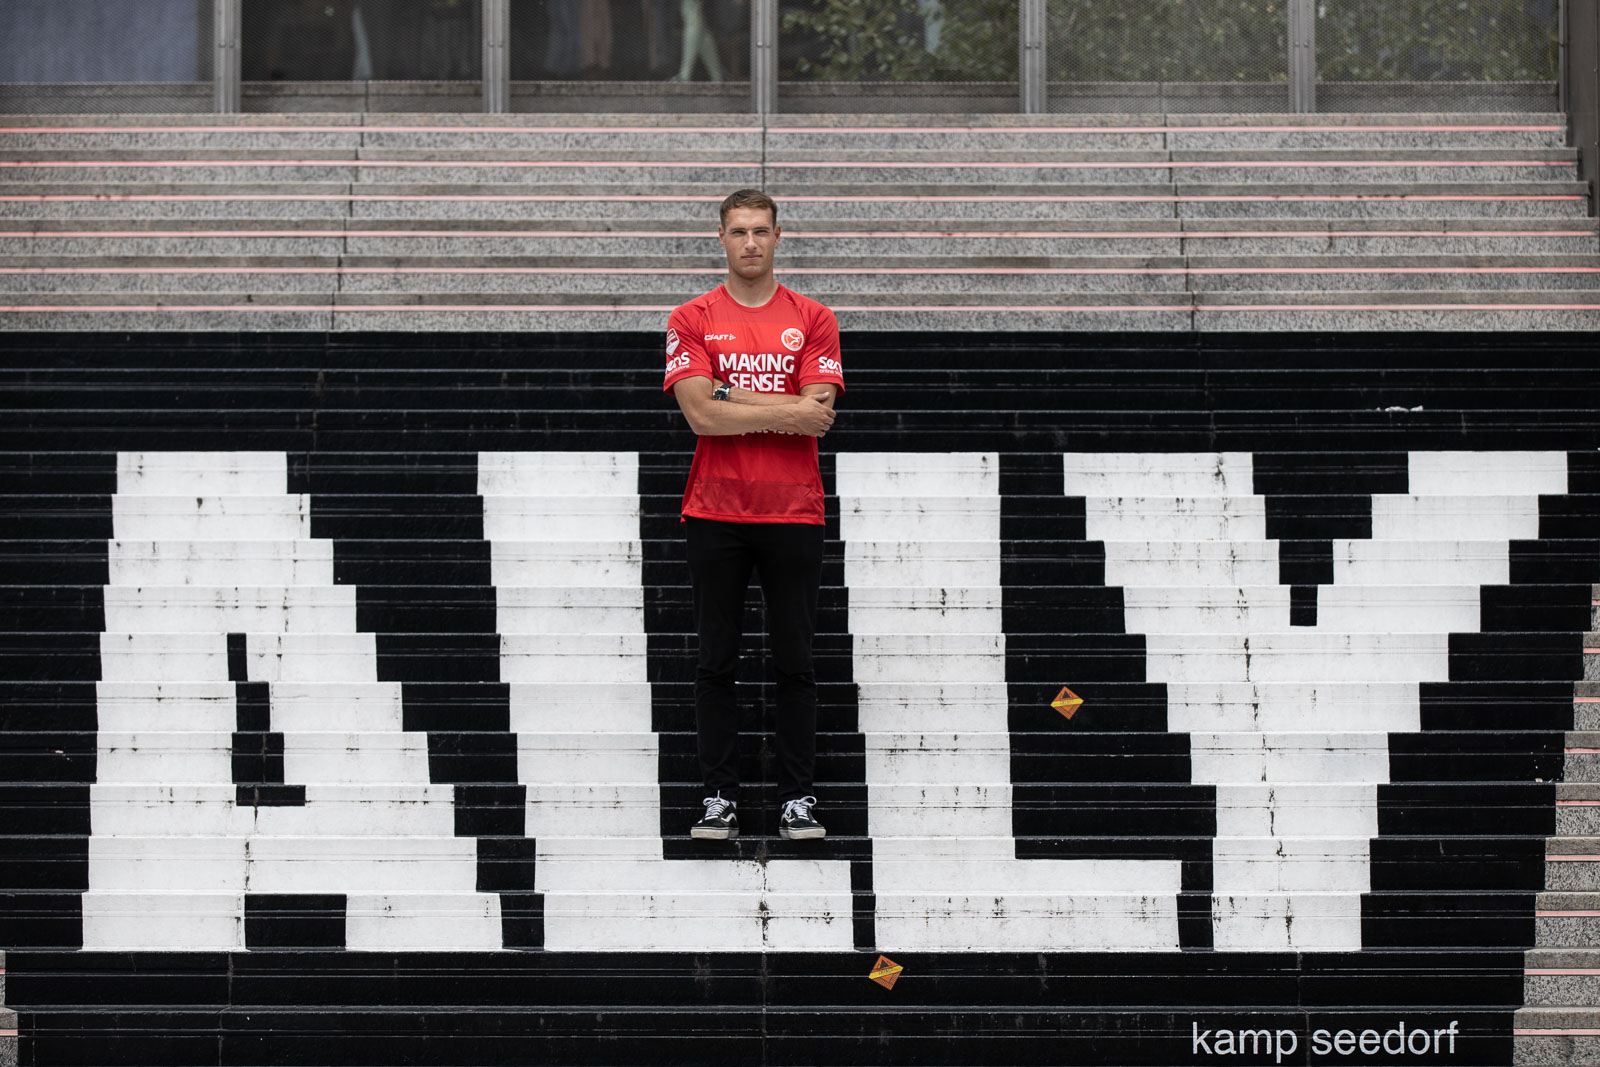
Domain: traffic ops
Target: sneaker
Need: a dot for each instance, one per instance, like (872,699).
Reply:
(719,823)
(797,823)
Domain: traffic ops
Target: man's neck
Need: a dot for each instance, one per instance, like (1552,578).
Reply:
(752,293)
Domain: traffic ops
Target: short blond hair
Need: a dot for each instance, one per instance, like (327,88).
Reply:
(749,198)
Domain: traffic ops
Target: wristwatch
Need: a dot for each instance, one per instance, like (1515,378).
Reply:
(721,392)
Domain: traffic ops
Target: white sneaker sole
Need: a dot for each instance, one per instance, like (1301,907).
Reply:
(707,834)
(802,835)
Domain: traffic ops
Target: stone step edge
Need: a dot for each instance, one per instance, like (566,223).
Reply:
(1134,263)
(1558,1022)
(736,155)
(1562,960)
(1186,301)
(787,122)
(879,229)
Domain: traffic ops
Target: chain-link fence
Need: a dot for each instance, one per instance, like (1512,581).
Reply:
(105,57)
(362,55)
(1446,55)
(898,55)
(630,40)
(571,55)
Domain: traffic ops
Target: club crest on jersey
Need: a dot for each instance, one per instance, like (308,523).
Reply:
(672,341)
(793,339)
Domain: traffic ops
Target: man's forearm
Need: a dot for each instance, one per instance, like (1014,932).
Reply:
(760,400)
(810,413)
(716,419)
(745,396)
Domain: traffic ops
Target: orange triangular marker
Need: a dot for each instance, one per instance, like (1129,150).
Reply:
(1067,702)
(885,972)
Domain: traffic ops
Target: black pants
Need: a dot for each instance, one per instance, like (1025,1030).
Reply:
(787,557)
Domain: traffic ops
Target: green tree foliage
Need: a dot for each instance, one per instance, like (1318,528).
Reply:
(1167,40)
(1427,40)
(1174,40)
(884,40)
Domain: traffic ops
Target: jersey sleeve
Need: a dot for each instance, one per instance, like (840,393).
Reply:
(821,363)
(686,347)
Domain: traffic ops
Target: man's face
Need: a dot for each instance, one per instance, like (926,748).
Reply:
(750,238)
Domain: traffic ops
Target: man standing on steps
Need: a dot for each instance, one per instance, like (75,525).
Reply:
(755,368)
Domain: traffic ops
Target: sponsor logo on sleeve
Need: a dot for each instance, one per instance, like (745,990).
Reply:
(672,341)
(825,365)
(793,339)
(677,363)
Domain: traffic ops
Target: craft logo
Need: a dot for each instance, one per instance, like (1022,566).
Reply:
(722,337)
(793,339)
(672,341)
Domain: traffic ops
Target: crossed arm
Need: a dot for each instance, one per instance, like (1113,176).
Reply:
(810,413)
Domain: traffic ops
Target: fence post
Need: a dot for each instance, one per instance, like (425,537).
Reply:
(1302,56)
(1031,72)
(764,57)
(496,56)
(1581,88)
(225,72)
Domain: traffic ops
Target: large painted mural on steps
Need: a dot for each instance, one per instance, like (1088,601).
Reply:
(348,713)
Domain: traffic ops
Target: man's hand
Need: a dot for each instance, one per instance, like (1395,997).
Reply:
(811,416)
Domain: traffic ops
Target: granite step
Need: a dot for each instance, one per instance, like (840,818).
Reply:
(1504,310)
(1250,311)
(1556,1035)
(530,174)
(806,204)
(512,171)
(1572,864)
(919,279)
(692,237)
(8,1022)
(1191,131)
(525,132)
(1562,977)
(1577,806)
(805,132)
(1586,702)
(1457,199)
(1566,919)
(1583,746)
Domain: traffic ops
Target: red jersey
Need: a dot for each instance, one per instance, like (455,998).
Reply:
(782,346)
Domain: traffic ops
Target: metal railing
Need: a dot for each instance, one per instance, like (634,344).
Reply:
(1580,89)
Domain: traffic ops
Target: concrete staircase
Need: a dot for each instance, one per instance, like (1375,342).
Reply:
(381,644)
(601,222)
(1561,1021)
(446,688)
